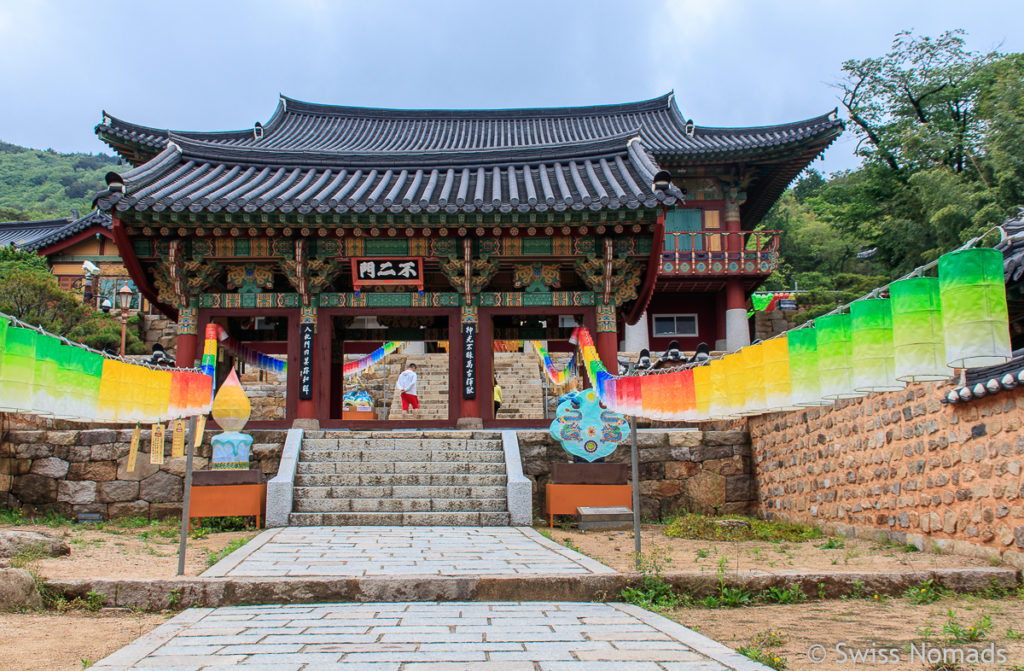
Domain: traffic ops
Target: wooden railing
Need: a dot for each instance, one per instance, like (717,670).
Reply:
(720,253)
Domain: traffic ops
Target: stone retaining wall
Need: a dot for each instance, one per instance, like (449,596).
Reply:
(901,465)
(704,471)
(85,471)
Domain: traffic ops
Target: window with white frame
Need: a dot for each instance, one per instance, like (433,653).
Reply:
(684,325)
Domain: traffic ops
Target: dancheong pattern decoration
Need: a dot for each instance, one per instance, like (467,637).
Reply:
(536,277)
(249,278)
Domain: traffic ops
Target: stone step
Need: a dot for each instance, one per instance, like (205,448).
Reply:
(346,505)
(386,455)
(376,444)
(413,467)
(400,479)
(422,433)
(385,490)
(448,519)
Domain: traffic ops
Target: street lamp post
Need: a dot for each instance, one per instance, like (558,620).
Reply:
(124,297)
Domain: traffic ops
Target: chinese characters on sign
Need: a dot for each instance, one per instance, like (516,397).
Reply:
(469,361)
(306,362)
(379,271)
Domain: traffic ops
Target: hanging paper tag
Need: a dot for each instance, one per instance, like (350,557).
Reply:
(200,428)
(133,448)
(156,444)
(178,438)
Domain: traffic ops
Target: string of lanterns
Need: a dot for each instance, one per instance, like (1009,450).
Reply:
(215,333)
(557,377)
(925,329)
(43,374)
(371,359)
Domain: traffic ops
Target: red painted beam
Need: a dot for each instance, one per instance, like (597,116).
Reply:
(131,262)
(653,266)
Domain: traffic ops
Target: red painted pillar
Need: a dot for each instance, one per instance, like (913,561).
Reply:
(185,356)
(737,328)
(608,349)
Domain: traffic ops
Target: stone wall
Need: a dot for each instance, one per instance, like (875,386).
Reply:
(680,470)
(901,465)
(85,471)
(159,329)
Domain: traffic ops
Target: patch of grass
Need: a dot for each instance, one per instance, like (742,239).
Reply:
(653,593)
(783,595)
(545,533)
(86,662)
(215,557)
(857,592)
(221,524)
(702,554)
(958,633)
(12,516)
(174,598)
(54,520)
(832,544)
(761,648)
(704,527)
(29,556)
(925,593)
(1014,635)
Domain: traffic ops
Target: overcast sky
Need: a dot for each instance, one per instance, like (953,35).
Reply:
(210,65)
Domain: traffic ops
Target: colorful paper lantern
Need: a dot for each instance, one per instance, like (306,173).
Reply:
(777,389)
(44,386)
(18,370)
(231,407)
(752,379)
(804,376)
(974,314)
(835,357)
(701,392)
(872,340)
(718,407)
(919,344)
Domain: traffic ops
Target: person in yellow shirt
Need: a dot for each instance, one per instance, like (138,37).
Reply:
(497,395)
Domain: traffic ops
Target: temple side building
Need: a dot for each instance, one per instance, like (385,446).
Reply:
(330,229)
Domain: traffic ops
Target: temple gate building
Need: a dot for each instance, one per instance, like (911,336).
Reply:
(454,228)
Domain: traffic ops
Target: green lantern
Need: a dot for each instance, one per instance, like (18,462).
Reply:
(835,357)
(974,315)
(919,345)
(18,370)
(805,383)
(871,335)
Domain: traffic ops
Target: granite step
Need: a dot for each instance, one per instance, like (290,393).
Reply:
(449,519)
(400,479)
(398,505)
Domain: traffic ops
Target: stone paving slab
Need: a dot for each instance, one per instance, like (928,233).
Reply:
(360,551)
(416,635)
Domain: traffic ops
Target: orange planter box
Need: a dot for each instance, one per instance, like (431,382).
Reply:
(228,500)
(565,499)
(358,415)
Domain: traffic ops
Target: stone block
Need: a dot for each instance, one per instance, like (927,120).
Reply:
(34,489)
(716,438)
(161,487)
(51,467)
(76,491)
(62,437)
(18,590)
(116,491)
(684,438)
(680,470)
(740,488)
(709,452)
(100,471)
(143,468)
(97,436)
(128,509)
(111,452)
(15,541)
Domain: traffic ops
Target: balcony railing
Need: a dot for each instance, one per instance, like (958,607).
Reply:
(720,253)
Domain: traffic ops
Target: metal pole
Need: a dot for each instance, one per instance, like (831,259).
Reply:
(187,496)
(635,458)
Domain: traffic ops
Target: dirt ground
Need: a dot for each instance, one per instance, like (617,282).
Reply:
(68,641)
(865,628)
(114,550)
(615,549)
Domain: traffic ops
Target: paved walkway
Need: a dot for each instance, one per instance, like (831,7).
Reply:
(400,551)
(406,636)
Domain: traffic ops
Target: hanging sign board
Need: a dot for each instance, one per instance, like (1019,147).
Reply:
(200,428)
(469,361)
(401,271)
(156,444)
(133,449)
(306,362)
(787,304)
(178,438)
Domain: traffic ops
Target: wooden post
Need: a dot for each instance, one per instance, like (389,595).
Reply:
(187,494)
(635,462)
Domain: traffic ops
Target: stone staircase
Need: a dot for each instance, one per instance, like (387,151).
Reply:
(431,385)
(519,375)
(443,478)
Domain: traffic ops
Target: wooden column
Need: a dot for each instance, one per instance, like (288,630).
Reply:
(607,340)
(737,329)
(469,408)
(188,338)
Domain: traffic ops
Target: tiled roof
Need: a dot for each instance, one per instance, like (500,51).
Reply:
(302,126)
(426,154)
(33,235)
(192,175)
(1013,247)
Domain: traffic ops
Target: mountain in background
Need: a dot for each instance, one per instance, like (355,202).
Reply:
(44,184)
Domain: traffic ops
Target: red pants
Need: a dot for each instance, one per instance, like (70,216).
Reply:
(410,400)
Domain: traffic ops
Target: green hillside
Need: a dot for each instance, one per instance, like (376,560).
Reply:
(38,184)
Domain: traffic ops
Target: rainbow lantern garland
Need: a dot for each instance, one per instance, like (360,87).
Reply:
(557,377)
(371,359)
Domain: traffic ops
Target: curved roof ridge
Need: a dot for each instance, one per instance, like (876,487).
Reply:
(190,148)
(741,130)
(664,101)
